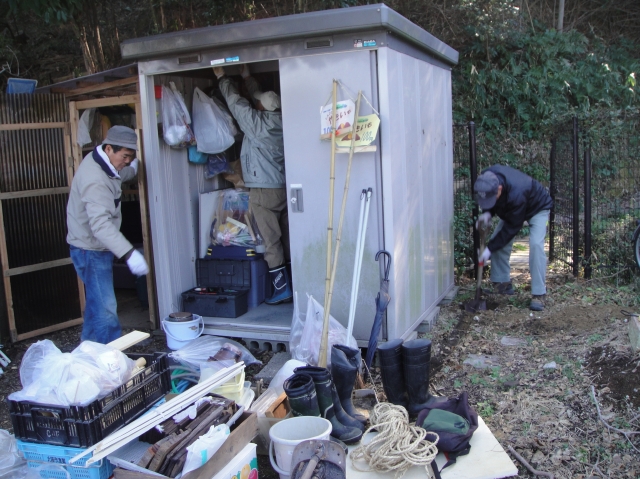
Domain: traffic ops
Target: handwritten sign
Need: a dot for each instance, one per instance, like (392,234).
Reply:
(345,113)
(366,131)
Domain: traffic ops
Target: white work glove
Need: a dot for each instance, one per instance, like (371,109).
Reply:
(218,72)
(484,220)
(137,263)
(245,71)
(484,257)
(134,165)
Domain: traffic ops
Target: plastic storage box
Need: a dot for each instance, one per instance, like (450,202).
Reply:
(38,455)
(83,426)
(250,274)
(215,302)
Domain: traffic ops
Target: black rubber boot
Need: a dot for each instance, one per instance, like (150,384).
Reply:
(282,292)
(301,391)
(325,392)
(416,357)
(390,357)
(345,362)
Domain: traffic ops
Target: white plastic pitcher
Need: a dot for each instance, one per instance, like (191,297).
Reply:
(181,333)
(288,433)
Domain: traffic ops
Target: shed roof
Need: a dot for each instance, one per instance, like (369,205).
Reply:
(326,22)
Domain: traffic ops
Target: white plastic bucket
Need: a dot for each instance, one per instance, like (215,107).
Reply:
(181,333)
(288,433)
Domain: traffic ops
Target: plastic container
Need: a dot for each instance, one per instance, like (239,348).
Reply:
(251,275)
(243,466)
(39,454)
(181,333)
(83,426)
(232,389)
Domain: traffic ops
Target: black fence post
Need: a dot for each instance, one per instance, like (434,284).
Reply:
(587,211)
(576,202)
(552,192)
(473,167)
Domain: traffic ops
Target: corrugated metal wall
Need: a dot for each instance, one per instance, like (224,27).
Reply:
(35,222)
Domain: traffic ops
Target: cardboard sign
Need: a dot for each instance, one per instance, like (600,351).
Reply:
(366,131)
(345,113)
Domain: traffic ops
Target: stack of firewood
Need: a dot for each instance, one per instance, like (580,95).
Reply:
(170,439)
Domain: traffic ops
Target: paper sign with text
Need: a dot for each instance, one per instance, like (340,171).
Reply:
(345,113)
(366,131)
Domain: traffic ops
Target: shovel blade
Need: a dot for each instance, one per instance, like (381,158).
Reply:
(475,305)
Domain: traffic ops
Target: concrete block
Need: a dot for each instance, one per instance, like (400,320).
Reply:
(634,332)
(273,366)
(429,323)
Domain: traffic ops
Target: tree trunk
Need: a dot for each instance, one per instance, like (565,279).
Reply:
(89,63)
(561,15)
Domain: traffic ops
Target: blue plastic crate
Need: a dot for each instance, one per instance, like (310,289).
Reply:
(39,454)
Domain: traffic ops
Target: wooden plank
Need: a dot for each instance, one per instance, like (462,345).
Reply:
(357,149)
(37,267)
(100,102)
(102,86)
(128,340)
(31,193)
(4,260)
(120,473)
(32,126)
(49,329)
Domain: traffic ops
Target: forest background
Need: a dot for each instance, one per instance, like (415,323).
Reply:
(526,67)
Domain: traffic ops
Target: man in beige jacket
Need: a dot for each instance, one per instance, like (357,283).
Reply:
(93,222)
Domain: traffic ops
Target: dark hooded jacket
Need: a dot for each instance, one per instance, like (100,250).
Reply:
(522,198)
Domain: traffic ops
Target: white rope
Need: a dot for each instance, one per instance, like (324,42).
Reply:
(350,93)
(398,446)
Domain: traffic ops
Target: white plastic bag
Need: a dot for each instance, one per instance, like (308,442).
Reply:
(84,126)
(175,118)
(201,349)
(205,447)
(210,125)
(10,457)
(306,334)
(89,372)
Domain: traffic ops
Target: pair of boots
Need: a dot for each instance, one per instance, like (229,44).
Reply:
(312,391)
(281,281)
(405,373)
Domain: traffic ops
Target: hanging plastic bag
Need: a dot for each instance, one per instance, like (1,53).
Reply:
(197,157)
(215,165)
(305,344)
(201,349)
(84,126)
(205,447)
(89,372)
(210,124)
(175,118)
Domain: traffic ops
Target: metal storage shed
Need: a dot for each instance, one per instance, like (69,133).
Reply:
(405,73)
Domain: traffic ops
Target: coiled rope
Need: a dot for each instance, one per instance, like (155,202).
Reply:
(398,446)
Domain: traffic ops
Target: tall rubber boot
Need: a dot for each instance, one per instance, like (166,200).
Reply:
(416,357)
(345,362)
(325,392)
(282,292)
(392,372)
(301,391)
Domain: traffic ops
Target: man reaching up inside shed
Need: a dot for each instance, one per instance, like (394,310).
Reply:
(262,160)
(93,221)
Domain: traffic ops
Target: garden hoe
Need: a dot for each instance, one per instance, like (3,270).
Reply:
(478,304)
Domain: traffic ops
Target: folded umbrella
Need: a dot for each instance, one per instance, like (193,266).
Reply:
(382,301)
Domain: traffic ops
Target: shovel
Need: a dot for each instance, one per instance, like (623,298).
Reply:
(478,304)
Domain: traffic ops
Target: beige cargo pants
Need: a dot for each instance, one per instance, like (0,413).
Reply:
(269,208)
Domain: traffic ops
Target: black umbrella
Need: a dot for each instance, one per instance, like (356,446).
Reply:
(382,301)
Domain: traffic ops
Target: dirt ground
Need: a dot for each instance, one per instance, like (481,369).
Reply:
(536,395)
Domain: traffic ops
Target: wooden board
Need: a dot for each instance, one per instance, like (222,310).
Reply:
(128,340)
(280,407)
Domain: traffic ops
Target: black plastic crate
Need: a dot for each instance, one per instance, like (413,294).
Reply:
(223,304)
(224,273)
(83,426)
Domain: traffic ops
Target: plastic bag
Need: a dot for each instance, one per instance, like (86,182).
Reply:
(175,118)
(215,165)
(205,447)
(84,126)
(306,333)
(201,349)
(210,124)
(197,157)
(232,223)
(10,457)
(89,372)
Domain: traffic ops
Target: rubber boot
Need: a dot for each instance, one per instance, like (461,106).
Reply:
(282,292)
(416,357)
(325,392)
(391,370)
(345,362)
(301,391)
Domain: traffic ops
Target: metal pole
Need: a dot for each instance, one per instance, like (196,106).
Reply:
(473,167)
(576,202)
(587,210)
(552,192)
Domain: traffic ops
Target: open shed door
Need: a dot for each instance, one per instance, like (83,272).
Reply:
(41,286)
(306,84)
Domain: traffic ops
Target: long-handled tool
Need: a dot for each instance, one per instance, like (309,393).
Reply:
(478,304)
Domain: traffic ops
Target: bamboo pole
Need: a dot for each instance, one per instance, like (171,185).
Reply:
(322,357)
